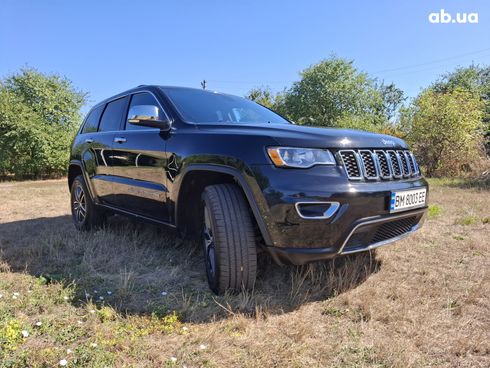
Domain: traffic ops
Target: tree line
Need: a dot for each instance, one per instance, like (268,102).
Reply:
(447,124)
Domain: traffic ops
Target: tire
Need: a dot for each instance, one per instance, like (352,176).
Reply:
(228,239)
(85,214)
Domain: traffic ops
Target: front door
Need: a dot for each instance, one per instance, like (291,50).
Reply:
(139,160)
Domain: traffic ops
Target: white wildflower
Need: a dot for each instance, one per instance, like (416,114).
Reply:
(65,297)
(109,293)
(16,294)
(92,311)
(25,333)
(63,362)
(94,345)
(203,347)
(164,293)
(39,323)
(173,359)
(80,322)
(101,297)
(69,351)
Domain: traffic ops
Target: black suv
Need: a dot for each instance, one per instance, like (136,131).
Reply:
(242,178)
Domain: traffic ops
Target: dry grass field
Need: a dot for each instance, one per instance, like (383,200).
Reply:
(134,295)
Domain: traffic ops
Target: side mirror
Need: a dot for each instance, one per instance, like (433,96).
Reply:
(149,116)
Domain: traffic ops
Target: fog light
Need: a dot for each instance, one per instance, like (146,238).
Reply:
(316,210)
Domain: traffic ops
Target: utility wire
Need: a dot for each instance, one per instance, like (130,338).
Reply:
(431,62)
(406,69)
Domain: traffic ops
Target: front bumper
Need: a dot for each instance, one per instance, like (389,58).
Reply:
(366,234)
(361,222)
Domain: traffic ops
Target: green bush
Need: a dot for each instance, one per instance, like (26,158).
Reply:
(39,115)
(446,131)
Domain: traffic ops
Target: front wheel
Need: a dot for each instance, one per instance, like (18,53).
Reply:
(228,238)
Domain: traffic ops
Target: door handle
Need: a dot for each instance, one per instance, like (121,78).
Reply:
(119,140)
(89,140)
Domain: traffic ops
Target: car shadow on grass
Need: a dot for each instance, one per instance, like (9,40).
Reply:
(142,269)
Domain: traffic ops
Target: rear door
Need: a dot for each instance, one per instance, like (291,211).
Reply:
(101,148)
(139,161)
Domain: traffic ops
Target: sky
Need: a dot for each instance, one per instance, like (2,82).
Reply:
(106,47)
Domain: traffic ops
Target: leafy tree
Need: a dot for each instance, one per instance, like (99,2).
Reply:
(474,79)
(333,93)
(38,117)
(393,99)
(267,98)
(445,131)
(263,96)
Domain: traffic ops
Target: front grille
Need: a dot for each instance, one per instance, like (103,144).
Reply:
(351,164)
(379,164)
(373,234)
(405,167)
(384,166)
(395,164)
(369,164)
(413,164)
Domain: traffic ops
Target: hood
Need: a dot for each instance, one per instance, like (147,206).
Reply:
(309,137)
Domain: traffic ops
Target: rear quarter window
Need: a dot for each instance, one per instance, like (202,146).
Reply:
(92,120)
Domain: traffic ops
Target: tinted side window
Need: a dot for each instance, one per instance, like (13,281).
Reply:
(143,98)
(92,120)
(113,113)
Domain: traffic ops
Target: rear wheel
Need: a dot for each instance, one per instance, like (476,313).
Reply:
(228,239)
(84,213)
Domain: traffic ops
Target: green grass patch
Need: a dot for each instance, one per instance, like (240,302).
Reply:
(467,220)
(463,183)
(434,211)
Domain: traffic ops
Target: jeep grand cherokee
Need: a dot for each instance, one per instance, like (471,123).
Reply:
(242,178)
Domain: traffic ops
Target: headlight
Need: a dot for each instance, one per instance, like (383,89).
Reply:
(300,157)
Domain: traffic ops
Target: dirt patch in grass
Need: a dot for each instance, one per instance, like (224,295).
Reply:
(135,295)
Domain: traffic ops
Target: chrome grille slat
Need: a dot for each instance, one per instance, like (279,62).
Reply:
(384,165)
(413,163)
(395,164)
(379,164)
(370,169)
(352,164)
(405,167)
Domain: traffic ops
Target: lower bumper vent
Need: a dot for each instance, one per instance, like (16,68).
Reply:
(368,235)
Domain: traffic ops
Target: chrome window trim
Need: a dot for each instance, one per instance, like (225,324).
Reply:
(334,206)
(384,242)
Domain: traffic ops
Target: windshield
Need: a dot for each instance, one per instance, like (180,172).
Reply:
(200,106)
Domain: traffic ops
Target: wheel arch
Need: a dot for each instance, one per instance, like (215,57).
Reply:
(76,168)
(193,183)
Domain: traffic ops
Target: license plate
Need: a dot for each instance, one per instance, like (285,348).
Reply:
(407,199)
